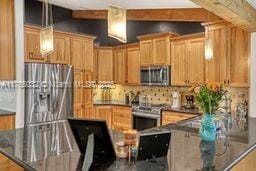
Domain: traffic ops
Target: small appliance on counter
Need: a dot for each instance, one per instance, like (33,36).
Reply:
(189,102)
(176,99)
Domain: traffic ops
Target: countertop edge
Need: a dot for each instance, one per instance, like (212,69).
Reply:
(19,162)
(240,157)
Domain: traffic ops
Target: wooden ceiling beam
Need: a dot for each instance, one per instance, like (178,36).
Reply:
(180,14)
(238,12)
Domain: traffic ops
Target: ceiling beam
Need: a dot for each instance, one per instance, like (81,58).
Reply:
(179,14)
(238,12)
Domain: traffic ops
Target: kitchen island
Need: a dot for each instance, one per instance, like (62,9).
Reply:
(53,147)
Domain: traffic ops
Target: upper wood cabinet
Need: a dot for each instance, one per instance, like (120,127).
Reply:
(239,57)
(120,65)
(178,62)
(187,59)
(82,54)
(7,43)
(217,68)
(61,53)
(32,45)
(155,49)
(69,48)
(133,64)
(231,49)
(105,64)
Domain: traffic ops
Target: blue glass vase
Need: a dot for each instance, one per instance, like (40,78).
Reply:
(207,130)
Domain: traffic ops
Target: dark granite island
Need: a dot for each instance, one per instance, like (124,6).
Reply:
(28,148)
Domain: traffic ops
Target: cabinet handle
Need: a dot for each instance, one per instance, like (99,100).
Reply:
(224,81)
(228,81)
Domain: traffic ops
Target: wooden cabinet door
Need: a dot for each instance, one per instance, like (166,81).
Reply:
(105,64)
(239,57)
(122,118)
(104,113)
(146,52)
(161,51)
(32,46)
(77,54)
(61,53)
(178,63)
(195,60)
(120,66)
(7,40)
(133,65)
(7,122)
(174,117)
(88,54)
(217,69)
(78,95)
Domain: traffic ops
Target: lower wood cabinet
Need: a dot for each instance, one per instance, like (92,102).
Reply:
(8,165)
(104,113)
(121,118)
(174,117)
(7,122)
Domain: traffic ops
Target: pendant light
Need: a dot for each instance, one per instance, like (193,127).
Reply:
(46,34)
(208,47)
(117,23)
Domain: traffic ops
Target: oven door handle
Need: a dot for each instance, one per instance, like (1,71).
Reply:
(145,115)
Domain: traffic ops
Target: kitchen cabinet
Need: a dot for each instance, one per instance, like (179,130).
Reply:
(7,122)
(105,64)
(239,57)
(247,163)
(133,64)
(7,37)
(32,45)
(104,113)
(82,54)
(83,98)
(8,165)
(217,69)
(120,65)
(69,48)
(174,117)
(121,118)
(187,59)
(178,63)
(155,48)
(231,49)
(61,53)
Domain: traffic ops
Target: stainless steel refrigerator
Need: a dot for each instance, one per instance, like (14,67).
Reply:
(48,93)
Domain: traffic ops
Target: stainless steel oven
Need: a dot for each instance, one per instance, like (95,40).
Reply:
(155,75)
(145,117)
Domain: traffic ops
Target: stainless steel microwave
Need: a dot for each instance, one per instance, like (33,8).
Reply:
(155,75)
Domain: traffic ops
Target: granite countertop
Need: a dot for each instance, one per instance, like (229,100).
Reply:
(182,110)
(167,108)
(112,102)
(5,112)
(41,147)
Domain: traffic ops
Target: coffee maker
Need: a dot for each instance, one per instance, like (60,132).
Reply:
(189,102)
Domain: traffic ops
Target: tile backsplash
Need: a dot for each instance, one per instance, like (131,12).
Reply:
(8,99)
(163,94)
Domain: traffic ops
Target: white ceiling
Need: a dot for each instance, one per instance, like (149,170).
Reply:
(129,4)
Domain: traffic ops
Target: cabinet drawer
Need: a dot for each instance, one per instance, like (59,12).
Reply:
(173,117)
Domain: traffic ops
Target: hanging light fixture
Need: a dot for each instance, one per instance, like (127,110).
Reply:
(46,34)
(208,47)
(117,23)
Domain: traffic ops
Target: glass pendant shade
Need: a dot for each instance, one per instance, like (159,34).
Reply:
(208,49)
(46,41)
(117,23)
